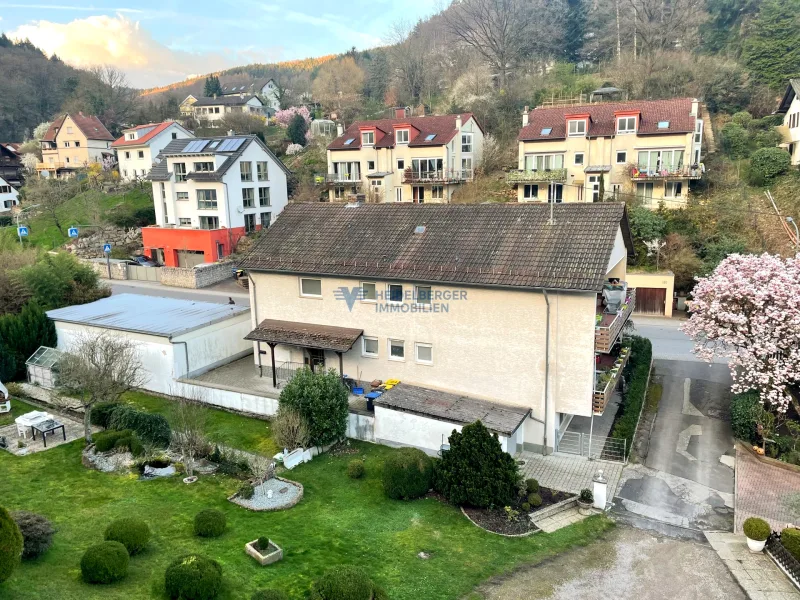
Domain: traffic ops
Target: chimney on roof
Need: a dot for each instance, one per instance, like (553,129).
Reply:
(525,115)
(215,96)
(695,107)
(80,112)
(230,132)
(399,113)
(339,129)
(458,122)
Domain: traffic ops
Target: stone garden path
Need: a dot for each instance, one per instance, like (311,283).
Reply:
(765,491)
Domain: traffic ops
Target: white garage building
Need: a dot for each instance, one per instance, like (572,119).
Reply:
(176,338)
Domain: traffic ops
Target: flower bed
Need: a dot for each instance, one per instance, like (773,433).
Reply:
(498,520)
(285,494)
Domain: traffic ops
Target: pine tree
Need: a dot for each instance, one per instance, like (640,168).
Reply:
(772,49)
(574,31)
(212,86)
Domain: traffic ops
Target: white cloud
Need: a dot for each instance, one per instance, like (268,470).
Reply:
(121,42)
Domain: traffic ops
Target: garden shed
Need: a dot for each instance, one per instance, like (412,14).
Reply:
(175,338)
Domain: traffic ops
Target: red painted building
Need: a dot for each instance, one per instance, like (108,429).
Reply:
(176,247)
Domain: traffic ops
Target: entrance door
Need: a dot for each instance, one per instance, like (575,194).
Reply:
(650,301)
(594,186)
(316,359)
(418,194)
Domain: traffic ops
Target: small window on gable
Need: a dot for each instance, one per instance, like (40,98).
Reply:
(626,125)
(663,124)
(547,131)
(429,137)
(577,127)
(349,141)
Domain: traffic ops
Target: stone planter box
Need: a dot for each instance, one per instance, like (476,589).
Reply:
(273,555)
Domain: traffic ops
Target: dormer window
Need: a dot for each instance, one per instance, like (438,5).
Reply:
(626,125)
(577,128)
(131,136)
(367,138)
(401,136)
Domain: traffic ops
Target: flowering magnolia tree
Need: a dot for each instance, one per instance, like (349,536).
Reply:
(284,117)
(748,309)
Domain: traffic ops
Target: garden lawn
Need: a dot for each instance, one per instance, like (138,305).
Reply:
(339,521)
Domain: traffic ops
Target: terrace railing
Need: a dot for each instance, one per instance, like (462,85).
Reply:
(606,334)
(440,176)
(605,389)
(545,175)
(683,172)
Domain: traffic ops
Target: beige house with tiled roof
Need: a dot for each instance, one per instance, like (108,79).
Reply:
(406,159)
(74,142)
(645,149)
(512,323)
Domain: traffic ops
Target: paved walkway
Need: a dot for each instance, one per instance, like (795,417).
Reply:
(562,519)
(568,473)
(765,491)
(756,573)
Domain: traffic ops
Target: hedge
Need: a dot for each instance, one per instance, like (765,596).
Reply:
(210,523)
(148,427)
(343,583)
(742,410)
(407,474)
(637,373)
(790,539)
(101,414)
(193,577)
(11,544)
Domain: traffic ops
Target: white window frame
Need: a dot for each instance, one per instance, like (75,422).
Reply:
(623,125)
(401,164)
(466,143)
(575,159)
(398,194)
(303,294)
(375,290)
(624,154)
(402,344)
(181,222)
(578,131)
(668,184)
(400,134)
(364,351)
(370,165)
(544,161)
(389,287)
(437,192)
(367,138)
(425,305)
(529,187)
(417,346)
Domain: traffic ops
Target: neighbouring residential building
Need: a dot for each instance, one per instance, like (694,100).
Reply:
(210,111)
(138,146)
(405,159)
(508,313)
(208,193)
(186,106)
(74,142)
(647,149)
(790,109)
(11,167)
(267,91)
(9,196)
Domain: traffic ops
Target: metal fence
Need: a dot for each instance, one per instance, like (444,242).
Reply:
(783,558)
(144,273)
(595,446)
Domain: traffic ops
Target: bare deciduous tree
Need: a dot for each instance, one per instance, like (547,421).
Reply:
(338,86)
(50,194)
(189,430)
(100,368)
(290,429)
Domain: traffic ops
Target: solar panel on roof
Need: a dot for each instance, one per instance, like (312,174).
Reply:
(230,145)
(213,144)
(195,146)
(429,138)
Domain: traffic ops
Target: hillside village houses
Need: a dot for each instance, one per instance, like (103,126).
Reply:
(490,311)
(210,111)
(790,109)
(267,92)
(210,192)
(11,167)
(138,146)
(186,106)
(73,142)
(648,148)
(9,196)
(405,159)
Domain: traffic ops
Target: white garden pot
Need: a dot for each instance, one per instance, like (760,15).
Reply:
(756,546)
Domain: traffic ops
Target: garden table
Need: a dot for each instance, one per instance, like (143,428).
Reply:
(48,426)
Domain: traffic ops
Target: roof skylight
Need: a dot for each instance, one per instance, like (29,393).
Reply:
(429,137)
(663,124)
(349,141)
(547,131)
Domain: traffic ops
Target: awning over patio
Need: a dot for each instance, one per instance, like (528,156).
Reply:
(503,419)
(307,335)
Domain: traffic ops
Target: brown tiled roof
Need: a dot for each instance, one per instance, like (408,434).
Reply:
(232,100)
(603,120)
(308,335)
(504,419)
(91,127)
(508,245)
(443,126)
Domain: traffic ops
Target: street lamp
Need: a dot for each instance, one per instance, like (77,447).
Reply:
(18,214)
(796,232)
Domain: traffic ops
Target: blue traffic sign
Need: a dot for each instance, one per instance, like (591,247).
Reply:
(107,248)
(22,230)
(72,232)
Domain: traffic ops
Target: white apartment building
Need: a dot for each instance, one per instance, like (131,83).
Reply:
(210,192)
(9,197)
(790,109)
(210,111)
(138,146)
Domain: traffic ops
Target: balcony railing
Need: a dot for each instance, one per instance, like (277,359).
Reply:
(49,166)
(671,173)
(339,178)
(441,176)
(607,382)
(535,176)
(609,325)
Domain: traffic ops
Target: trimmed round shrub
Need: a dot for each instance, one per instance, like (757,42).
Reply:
(262,543)
(790,539)
(150,428)
(193,577)
(101,414)
(37,533)
(246,491)
(756,529)
(742,118)
(532,486)
(343,583)
(269,595)
(131,532)
(209,523)
(106,441)
(535,500)
(407,474)
(105,562)
(11,544)
(525,506)
(355,469)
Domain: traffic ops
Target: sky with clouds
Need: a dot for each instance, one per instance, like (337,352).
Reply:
(161,41)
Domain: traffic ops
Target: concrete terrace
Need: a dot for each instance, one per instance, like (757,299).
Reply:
(569,473)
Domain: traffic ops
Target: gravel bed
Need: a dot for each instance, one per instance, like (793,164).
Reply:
(285,494)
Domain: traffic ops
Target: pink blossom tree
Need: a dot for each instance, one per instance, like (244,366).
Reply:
(748,309)
(284,117)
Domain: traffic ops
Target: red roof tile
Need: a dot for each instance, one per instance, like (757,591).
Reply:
(156,129)
(91,127)
(603,119)
(442,126)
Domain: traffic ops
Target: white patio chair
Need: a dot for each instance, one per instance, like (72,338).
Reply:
(5,406)
(22,431)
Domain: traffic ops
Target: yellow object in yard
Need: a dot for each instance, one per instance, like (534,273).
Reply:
(388,386)
(392,381)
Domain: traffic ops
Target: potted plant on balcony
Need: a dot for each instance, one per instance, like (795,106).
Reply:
(585,502)
(757,531)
